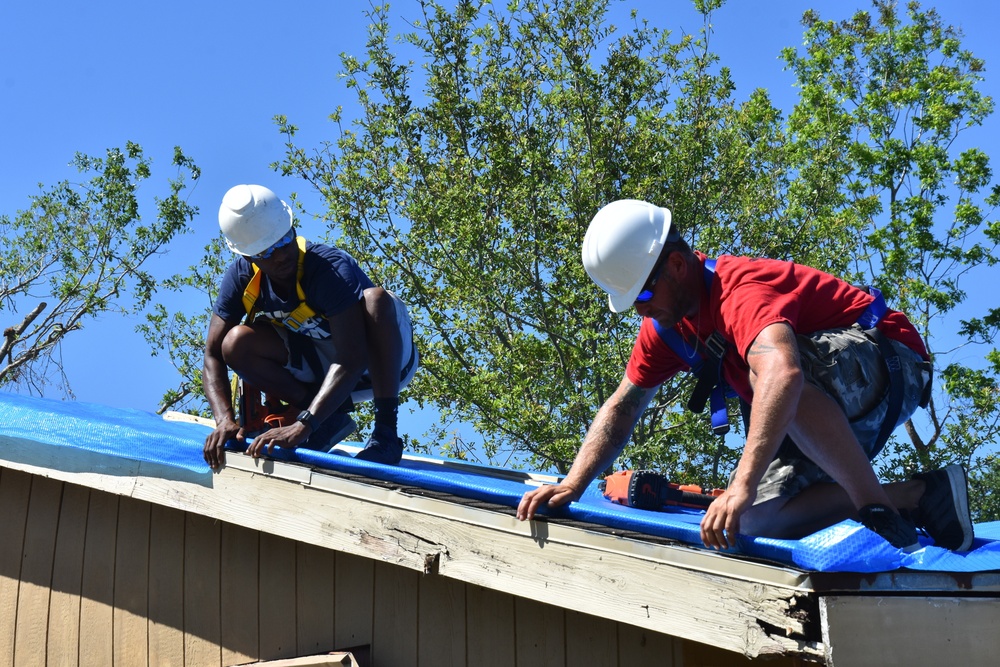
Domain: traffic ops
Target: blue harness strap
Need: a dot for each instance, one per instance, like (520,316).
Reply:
(707,367)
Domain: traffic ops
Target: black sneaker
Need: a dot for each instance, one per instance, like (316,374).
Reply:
(336,427)
(883,520)
(943,511)
(383,447)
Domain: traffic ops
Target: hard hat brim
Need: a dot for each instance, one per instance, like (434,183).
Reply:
(624,301)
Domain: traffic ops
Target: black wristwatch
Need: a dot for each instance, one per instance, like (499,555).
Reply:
(309,419)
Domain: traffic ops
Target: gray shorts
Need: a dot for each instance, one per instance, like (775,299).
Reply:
(847,365)
(326,355)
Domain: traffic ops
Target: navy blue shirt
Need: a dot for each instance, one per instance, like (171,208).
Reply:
(331,279)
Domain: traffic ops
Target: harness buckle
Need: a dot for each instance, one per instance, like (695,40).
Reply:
(716,345)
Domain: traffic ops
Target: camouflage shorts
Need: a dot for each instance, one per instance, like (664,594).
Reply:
(847,365)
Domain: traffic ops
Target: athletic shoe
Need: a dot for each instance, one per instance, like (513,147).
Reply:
(899,532)
(383,447)
(943,511)
(335,428)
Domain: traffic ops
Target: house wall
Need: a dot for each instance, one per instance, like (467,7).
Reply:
(92,578)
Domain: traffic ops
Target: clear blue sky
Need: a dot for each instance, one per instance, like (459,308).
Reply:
(210,75)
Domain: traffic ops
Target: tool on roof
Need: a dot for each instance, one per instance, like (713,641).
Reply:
(650,490)
(257,412)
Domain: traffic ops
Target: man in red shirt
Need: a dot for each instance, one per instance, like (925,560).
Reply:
(823,364)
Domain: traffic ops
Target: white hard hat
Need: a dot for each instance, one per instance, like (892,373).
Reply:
(253,219)
(621,247)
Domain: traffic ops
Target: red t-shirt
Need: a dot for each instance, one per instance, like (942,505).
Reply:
(747,296)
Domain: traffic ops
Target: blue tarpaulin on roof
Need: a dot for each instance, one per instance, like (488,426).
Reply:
(143,436)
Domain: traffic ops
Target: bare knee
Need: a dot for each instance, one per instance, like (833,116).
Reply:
(248,345)
(379,305)
(236,346)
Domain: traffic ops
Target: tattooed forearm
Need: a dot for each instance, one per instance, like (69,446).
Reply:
(631,399)
(616,421)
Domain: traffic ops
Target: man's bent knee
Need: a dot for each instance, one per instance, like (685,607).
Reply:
(247,344)
(236,344)
(379,304)
(763,519)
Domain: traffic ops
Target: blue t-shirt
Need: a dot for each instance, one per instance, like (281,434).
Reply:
(331,279)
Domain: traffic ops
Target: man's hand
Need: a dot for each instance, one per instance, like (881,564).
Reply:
(215,444)
(721,523)
(289,436)
(552,495)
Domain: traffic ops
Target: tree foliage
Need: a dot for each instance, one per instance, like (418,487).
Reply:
(77,251)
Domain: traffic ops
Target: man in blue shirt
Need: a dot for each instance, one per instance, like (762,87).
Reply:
(319,336)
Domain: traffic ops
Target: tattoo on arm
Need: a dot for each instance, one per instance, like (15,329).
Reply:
(624,411)
(758,348)
(780,341)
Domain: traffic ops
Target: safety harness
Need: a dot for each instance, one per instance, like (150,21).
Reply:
(706,367)
(302,312)
(299,316)
(704,361)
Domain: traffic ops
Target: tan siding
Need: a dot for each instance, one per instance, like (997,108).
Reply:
(202,634)
(240,594)
(490,618)
(540,634)
(131,600)
(355,585)
(97,589)
(36,572)
(394,633)
(277,597)
(314,599)
(166,587)
(638,646)
(15,490)
(89,578)
(590,640)
(67,577)
(441,623)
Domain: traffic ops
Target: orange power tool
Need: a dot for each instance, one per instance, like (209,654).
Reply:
(649,490)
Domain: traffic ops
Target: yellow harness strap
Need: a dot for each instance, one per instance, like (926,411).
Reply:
(302,312)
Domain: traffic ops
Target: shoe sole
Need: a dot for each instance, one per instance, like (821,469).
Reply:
(960,492)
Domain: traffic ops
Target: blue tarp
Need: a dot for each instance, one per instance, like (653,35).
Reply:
(143,436)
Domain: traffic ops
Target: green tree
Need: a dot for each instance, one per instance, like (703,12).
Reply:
(77,251)
(881,161)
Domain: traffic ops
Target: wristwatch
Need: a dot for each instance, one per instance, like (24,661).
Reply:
(309,419)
